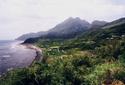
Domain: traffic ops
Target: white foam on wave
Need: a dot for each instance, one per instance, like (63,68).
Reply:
(13,46)
(6,56)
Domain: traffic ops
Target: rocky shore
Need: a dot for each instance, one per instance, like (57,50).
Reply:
(18,56)
(39,55)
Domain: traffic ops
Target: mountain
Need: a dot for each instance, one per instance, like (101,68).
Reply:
(70,28)
(98,24)
(30,35)
(71,24)
(67,29)
(115,28)
(112,38)
(85,59)
(115,23)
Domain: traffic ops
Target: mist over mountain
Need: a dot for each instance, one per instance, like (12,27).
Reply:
(30,35)
(62,42)
(70,24)
(115,23)
(112,29)
(69,28)
(98,24)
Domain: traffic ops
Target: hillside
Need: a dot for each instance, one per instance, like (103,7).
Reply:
(113,29)
(69,28)
(98,24)
(95,57)
(31,35)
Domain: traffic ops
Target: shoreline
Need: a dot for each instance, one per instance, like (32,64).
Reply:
(38,56)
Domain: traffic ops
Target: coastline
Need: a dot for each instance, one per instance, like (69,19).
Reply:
(21,48)
(38,56)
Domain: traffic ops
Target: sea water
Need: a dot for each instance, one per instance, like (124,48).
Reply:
(14,55)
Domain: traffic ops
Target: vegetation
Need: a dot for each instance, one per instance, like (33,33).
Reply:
(86,60)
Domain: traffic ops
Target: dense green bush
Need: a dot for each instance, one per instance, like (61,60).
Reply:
(58,72)
(74,62)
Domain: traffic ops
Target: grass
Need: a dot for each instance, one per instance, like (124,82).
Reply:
(70,63)
(100,72)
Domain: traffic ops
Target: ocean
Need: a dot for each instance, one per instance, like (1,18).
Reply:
(14,55)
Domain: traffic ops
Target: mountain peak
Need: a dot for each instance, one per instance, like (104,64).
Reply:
(70,27)
(76,20)
(71,22)
(71,19)
(97,22)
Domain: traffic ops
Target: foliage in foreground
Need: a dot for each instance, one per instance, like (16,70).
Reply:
(69,70)
(74,62)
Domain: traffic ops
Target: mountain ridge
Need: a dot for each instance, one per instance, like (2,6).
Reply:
(69,27)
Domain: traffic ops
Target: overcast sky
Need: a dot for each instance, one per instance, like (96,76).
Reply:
(18,17)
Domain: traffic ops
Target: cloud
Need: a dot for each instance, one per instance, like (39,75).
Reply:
(22,16)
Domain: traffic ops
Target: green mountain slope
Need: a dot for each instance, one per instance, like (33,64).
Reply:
(96,57)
